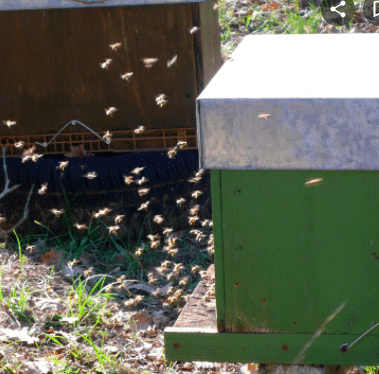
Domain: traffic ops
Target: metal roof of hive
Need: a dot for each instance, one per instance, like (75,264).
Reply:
(53,4)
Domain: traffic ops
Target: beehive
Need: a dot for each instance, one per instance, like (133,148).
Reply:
(51,74)
(292,141)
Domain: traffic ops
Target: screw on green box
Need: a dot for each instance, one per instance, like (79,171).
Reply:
(295,201)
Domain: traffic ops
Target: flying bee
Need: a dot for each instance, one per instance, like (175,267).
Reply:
(194,180)
(161,100)
(166,264)
(149,62)
(143,191)
(113,229)
(194,231)
(200,172)
(216,6)
(196,194)
(137,170)
(200,236)
(29,151)
(195,269)
(30,248)
(172,61)
(91,175)
(81,227)
(43,189)
(181,144)
(153,280)
(2,219)
(19,144)
(155,244)
(128,179)
(172,251)
(119,218)
(62,165)
(26,158)
(153,237)
(170,276)
(139,130)
(9,123)
(177,268)
(211,250)
(72,263)
(142,180)
(264,116)
(167,230)
(195,209)
(57,212)
(88,272)
(127,75)
(115,46)
(184,281)
(194,29)
(144,205)
(172,152)
(138,251)
(192,220)
(110,111)
(158,219)
(107,136)
(211,239)
(178,293)
(105,65)
(172,241)
(313,182)
(96,215)
(205,223)
(105,211)
(181,201)
(35,157)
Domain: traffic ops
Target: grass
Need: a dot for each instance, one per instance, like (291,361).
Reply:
(97,321)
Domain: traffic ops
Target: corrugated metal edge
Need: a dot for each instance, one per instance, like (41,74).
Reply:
(59,4)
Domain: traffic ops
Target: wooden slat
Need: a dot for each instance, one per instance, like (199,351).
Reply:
(52,75)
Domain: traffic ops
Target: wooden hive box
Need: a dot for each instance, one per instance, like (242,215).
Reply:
(50,72)
(292,144)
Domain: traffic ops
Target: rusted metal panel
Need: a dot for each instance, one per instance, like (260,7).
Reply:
(53,4)
(52,75)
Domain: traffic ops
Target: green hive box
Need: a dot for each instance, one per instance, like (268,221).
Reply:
(295,201)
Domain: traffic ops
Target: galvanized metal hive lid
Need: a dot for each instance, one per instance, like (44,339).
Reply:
(321,115)
(52,4)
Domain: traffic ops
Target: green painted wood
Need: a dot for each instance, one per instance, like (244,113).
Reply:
(219,255)
(192,345)
(304,251)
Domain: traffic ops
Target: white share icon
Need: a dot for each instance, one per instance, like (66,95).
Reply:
(334,8)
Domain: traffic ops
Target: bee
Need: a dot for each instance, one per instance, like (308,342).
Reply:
(161,100)
(172,251)
(119,218)
(26,158)
(172,152)
(113,229)
(107,136)
(88,272)
(195,209)
(29,151)
(181,201)
(177,268)
(216,6)
(192,219)
(137,170)
(153,280)
(166,264)
(211,239)
(172,61)
(57,212)
(63,165)
(30,248)
(153,237)
(144,205)
(2,219)
(91,175)
(72,263)
(158,219)
(196,194)
(43,189)
(200,236)
(19,144)
(172,241)
(110,111)
(9,123)
(194,180)
(127,75)
(96,215)
(80,227)
(128,179)
(139,130)
(104,211)
(178,293)
(105,65)
(193,231)
(181,144)
(313,182)
(138,251)
(211,250)
(200,173)
(142,180)
(139,298)
(170,276)
(167,230)
(195,269)
(184,281)
(35,157)
(194,29)
(149,62)
(264,116)
(115,46)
